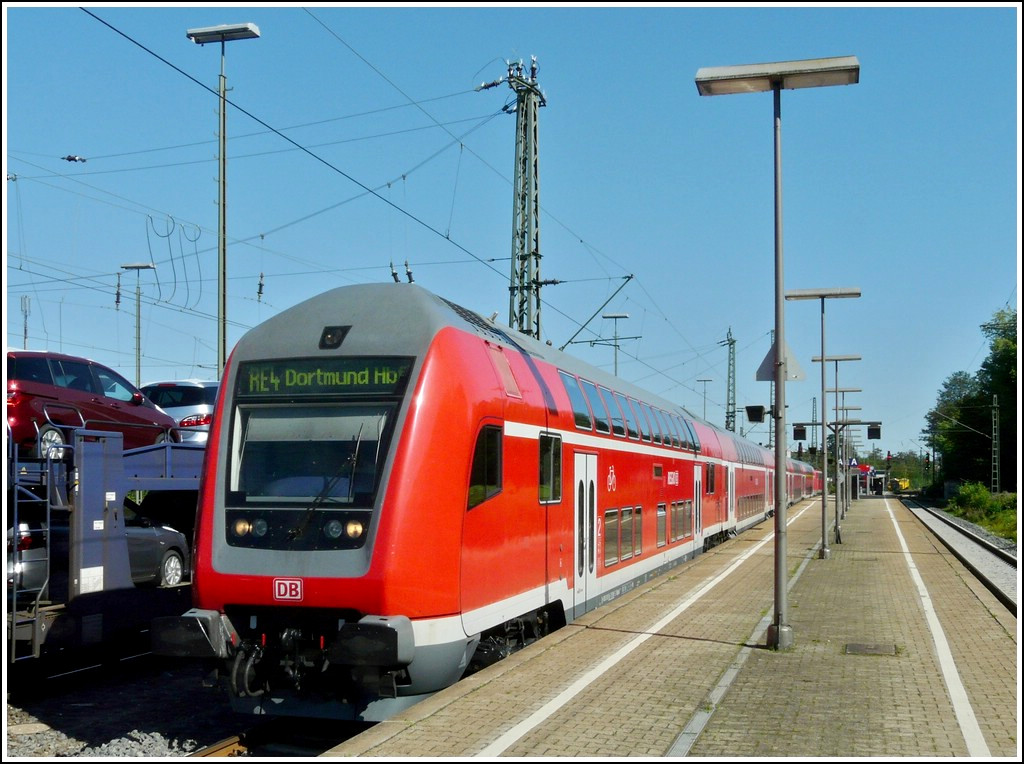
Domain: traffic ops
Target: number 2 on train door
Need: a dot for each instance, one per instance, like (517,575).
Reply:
(585,505)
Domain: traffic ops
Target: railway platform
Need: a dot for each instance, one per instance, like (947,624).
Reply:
(898,651)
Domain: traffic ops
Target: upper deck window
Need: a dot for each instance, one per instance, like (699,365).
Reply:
(632,428)
(597,406)
(641,417)
(618,423)
(655,429)
(577,400)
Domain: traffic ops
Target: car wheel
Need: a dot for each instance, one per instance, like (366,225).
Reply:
(171,569)
(50,437)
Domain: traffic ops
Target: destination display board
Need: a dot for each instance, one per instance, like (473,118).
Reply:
(304,377)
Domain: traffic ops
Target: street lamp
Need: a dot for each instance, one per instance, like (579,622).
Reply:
(138,307)
(222,34)
(705,381)
(776,77)
(849,446)
(823,294)
(840,467)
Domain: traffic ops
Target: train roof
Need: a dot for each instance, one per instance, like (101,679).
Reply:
(406,315)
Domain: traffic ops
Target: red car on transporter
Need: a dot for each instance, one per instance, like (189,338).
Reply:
(50,394)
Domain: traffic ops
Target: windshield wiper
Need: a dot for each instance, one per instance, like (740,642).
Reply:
(325,492)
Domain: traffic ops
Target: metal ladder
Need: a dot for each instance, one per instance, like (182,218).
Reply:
(35,487)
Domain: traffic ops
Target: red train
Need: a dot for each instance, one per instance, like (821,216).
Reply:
(397,489)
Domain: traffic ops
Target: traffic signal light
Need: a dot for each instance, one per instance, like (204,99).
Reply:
(888,458)
(927,461)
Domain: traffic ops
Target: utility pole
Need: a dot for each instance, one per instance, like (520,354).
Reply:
(995,444)
(771,398)
(730,385)
(814,421)
(26,308)
(524,280)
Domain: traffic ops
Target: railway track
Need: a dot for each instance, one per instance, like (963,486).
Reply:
(994,564)
(285,738)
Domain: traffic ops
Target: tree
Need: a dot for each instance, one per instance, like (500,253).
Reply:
(959,428)
(998,377)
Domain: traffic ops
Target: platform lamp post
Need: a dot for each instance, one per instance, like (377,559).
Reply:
(201,36)
(138,321)
(760,78)
(848,446)
(823,294)
(835,446)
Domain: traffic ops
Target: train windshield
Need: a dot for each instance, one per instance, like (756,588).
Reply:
(327,454)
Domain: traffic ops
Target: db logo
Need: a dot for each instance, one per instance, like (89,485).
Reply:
(287,588)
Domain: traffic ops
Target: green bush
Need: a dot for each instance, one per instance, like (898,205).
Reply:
(997,514)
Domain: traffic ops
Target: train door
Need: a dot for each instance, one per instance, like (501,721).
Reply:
(731,494)
(585,505)
(698,502)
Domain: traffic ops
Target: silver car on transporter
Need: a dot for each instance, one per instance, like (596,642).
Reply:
(190,402)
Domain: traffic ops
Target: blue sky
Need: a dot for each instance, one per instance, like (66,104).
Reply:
(906,185)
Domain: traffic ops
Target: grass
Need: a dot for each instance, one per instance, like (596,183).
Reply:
(995,513)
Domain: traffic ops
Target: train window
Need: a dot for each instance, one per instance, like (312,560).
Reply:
(550,489)
(577,400)
(637,531)
(709,479)
(645,427)
(682,520)
(684,432)
(305,476)
(655,429)
(670,428)
(687,528)
(611,537)
(632,429)
(626,534)
(693,435)
(597,406)
(661,521)
(485,474)
(618,423)
(301,453)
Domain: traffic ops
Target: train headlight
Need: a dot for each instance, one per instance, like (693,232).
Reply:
(353,529)
(242,527)
(259,527)
(333,529)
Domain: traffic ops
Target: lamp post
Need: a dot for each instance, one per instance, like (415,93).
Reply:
(705,381)
(848,447)
(823,294)
(840,467)
(776,77)
(138,321)
(201,36)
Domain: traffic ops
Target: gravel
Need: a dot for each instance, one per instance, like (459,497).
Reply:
(136,708)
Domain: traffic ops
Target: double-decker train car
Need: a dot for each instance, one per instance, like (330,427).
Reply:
(397,490)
